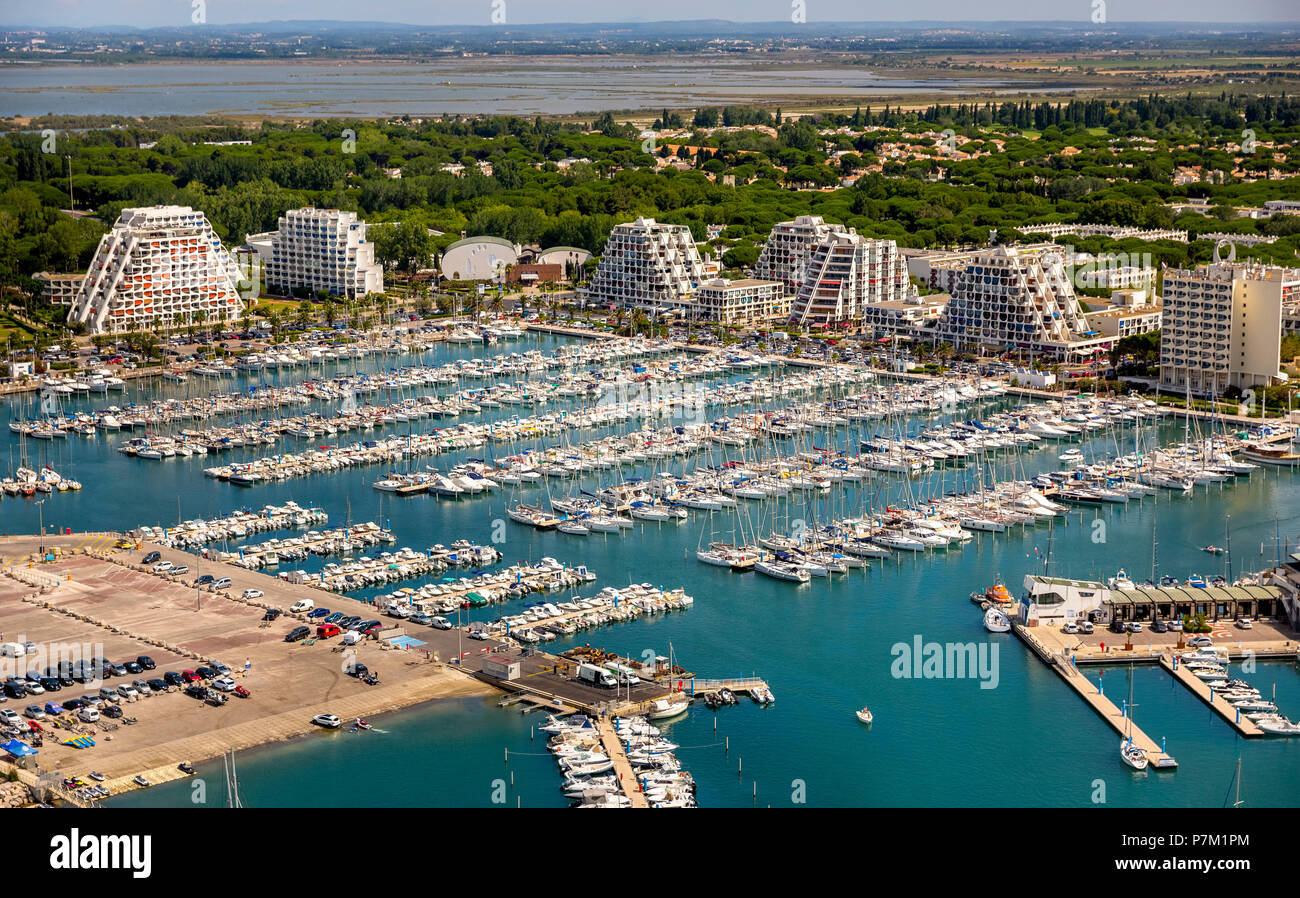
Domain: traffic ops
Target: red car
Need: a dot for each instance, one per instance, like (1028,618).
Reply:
(190,676)
(241,692)
(324,631)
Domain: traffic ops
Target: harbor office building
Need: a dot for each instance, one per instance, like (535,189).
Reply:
(1052,601)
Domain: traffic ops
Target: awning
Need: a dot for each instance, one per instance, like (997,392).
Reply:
(18,748)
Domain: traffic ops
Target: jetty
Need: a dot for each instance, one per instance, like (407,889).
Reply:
(1096,699)
(622,766)
(1243,725)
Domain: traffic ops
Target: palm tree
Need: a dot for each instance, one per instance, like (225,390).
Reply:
(619,314)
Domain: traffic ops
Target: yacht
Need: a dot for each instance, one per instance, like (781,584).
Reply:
(996,622)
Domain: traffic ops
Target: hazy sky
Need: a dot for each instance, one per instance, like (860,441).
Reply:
(89,13)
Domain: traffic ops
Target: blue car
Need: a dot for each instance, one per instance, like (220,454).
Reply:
(334,618)
(53,708)
(318,613)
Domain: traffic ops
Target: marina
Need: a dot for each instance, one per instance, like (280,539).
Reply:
(876,504)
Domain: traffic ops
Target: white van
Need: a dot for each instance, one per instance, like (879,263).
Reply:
(222,583)
(302,605)
(12,649)
(89,715)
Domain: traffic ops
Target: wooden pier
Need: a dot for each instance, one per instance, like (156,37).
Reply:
(1096,699)
(1243,725)
(613,746)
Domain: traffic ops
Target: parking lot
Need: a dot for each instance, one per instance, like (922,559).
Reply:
(110,611)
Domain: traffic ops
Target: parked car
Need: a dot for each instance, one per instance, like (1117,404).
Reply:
(10,717)
(1200,641)
(271,614)
(113,711)
(1244,624)
(162,567)
(145,662)
(220,668)
(133,667)
(126,690)
(109,694)
(35,712)
(225,684)
(221,583)
(325,631)
(334,618)
(297,634)
(179,569)
(253,594)
(318,613)
(159,685)
(173,678)
(190,676)
(142,687)
(151,558)
(119,670)
(1159,626)
(1070,627)
(89,715)
(204,580)
(73,704)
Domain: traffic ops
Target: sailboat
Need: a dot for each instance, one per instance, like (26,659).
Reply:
(1131,754)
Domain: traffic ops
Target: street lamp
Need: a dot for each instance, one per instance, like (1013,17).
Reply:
(41,514)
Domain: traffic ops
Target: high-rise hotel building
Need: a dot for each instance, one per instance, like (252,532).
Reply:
(647,265)
(321,249)
(831,272)
(161,266)
(1222,326)
(845,273)
(1017,298)
(788,248)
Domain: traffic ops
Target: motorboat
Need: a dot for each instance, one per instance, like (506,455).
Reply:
(864,715)
(666,708)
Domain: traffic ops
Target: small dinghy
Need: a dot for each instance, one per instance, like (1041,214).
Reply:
(864,715)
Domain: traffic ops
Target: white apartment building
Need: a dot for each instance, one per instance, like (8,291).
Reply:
(748,301)
(845,273)
(59,289)
(1018,298)
(647,265)
(159,266)
(1222,326)
(788,248)
(321,249)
